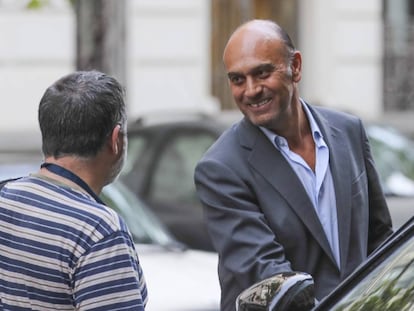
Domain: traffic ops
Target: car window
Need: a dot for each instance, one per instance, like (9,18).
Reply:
(144,226)
(389,286)
(394,157)
(173,177)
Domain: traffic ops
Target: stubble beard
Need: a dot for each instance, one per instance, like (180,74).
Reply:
(117,168)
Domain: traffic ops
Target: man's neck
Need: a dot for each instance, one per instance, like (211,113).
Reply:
(80,167)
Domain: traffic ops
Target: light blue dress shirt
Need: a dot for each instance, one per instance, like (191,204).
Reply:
(319,184)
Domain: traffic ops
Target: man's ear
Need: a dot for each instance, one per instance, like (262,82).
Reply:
(296,66)
(115,138)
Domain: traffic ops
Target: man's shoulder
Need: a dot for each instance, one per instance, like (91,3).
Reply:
(331,112)
(341,120)
(5,181)
(70,203)
(227,142)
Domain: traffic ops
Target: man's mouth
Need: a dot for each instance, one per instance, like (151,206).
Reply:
(260,103)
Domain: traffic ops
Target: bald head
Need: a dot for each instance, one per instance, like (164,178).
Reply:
(257,30)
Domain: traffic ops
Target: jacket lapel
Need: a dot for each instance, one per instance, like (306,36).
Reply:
(339,163)
(268,161)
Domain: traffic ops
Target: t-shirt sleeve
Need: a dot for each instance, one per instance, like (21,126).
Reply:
(109,276)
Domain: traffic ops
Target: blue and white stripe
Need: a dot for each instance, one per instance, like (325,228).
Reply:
(61,250)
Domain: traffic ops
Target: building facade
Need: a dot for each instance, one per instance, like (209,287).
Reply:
(174,54)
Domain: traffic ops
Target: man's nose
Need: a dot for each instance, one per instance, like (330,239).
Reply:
(252,88)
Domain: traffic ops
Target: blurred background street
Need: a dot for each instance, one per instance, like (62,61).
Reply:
(358,56)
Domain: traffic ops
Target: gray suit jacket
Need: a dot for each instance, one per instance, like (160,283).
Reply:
(261,219)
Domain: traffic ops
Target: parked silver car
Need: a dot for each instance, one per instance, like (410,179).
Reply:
(175,274)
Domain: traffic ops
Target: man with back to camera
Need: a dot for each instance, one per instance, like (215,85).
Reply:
(291,187)
(61,248)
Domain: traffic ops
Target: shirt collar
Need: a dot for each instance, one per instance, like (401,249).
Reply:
(316,132)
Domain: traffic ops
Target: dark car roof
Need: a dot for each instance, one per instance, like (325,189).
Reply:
(220,120)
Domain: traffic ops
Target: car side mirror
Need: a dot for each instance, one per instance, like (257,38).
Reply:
(289,291)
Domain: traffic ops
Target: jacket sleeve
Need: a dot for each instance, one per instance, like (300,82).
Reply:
(247,247)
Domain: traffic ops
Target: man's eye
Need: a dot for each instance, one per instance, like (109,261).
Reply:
(263,74)
(236,80)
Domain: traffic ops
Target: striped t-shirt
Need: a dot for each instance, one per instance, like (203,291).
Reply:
(61,250)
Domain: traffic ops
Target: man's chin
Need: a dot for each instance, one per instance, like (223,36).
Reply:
(263,121)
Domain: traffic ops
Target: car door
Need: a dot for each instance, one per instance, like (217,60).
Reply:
(384,282)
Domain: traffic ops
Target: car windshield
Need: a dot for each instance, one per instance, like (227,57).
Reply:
(144,226)
(387,283)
